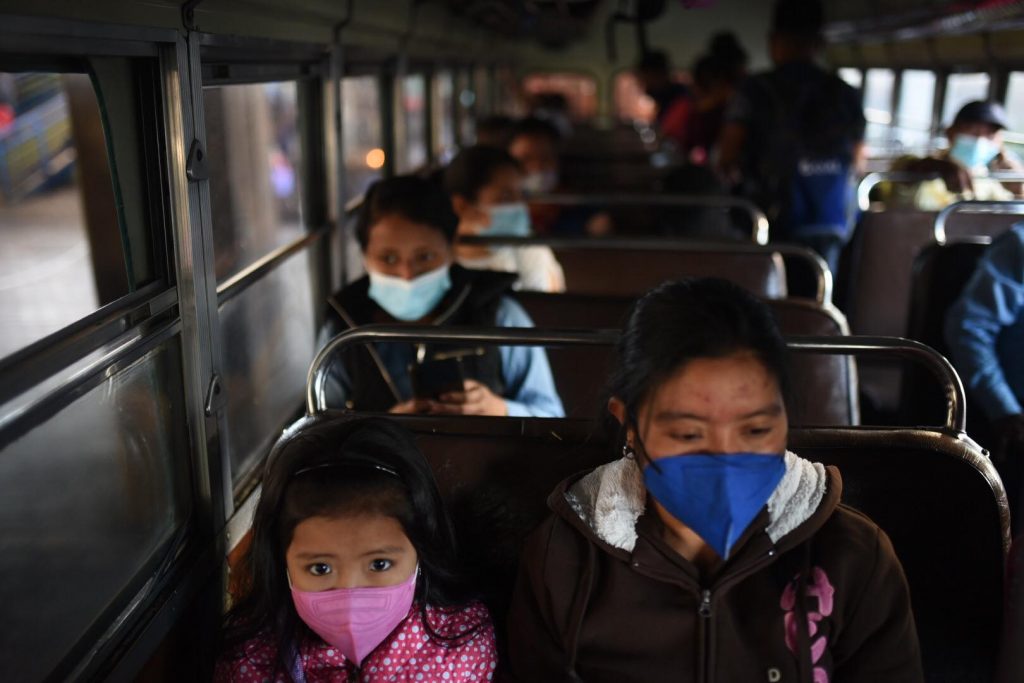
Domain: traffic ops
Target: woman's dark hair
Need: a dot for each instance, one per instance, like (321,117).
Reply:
(681,321)
(416,199)
(474,168)
(335,467)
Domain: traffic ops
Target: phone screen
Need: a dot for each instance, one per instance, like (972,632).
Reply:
(432,378)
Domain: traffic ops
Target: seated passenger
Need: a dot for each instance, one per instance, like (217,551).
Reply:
(353,568)
(985,333)
(708,551)
(485,185)
(405,230)
(975,149)
(535,144)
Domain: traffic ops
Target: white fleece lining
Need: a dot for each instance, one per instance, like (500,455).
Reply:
(611,499)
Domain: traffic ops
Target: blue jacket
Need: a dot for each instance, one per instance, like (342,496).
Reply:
(985,328)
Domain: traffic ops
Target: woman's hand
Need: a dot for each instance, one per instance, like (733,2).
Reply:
(412,407)
(474,399)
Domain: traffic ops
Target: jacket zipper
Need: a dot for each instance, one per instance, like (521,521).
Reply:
(704,612)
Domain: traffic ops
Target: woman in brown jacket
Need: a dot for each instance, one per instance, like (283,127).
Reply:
(707,552)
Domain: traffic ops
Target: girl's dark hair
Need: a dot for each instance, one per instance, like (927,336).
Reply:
(474,168)
(678,322)
(419,200)
(336,467)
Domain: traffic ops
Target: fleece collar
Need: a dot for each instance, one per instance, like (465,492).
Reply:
(610,499)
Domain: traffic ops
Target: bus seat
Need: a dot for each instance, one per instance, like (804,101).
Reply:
(828,382)
(936,496)
(939,275)
(622,270)
(1011,656)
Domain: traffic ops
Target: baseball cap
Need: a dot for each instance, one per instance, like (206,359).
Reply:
(981,112)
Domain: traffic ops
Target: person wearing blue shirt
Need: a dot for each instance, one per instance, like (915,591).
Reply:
(985,333)
(406,230)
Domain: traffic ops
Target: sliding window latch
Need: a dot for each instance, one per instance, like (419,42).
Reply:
(196,167)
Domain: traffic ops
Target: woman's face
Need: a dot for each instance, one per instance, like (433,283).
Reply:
(731,404)
(401,248)
(355,551)
(506,187)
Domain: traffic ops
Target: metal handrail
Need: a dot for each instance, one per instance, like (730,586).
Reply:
(758,219)
(822,274)
(316,379)
(1011,207)
(871,180)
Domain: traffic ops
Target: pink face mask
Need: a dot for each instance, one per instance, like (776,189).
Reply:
(356,620)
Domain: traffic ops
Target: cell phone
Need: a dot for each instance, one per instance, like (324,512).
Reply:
(432,378)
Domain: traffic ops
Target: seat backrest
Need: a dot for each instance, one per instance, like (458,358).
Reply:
(938,499)
(965,226)
(885,246)
(1011,655)
(939,275)
(827,383)
(632,271)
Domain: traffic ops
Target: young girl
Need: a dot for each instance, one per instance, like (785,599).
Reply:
(708,552)
(351,575)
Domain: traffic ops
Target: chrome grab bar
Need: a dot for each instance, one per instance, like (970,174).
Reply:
(871,180)
(822,274)
(758,219)
(1011,207)
(316,379)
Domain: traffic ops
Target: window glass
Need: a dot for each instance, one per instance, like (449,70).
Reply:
(61,248)
(1015,112)
(443,110)
(255,156)
(509,98)
(363,142)
(878,91)
(86,500)
(411,129)
(465,104)
(961,89)
(270,337)
(631,102)
(854,77)
(578,91)
(914,119)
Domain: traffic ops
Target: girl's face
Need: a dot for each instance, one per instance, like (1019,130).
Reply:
(356,551)
(401,248)
(713,405)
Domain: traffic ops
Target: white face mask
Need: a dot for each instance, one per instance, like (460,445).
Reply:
(540,182)
(973,151)
(508,220)
(409,300)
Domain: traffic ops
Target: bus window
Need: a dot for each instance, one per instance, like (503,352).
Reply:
(1015,112)
(878,92)
(363,141)
(256,179)
(443,111)
(411,124)
(465,108)
(61,250)
(631,103)
(99,487)
(854,77)
(578,90)
(914,118)
(509,99)
(961,89)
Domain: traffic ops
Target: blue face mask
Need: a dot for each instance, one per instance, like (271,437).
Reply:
(508,220)
(718,496)
(409,300)
(972,151)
